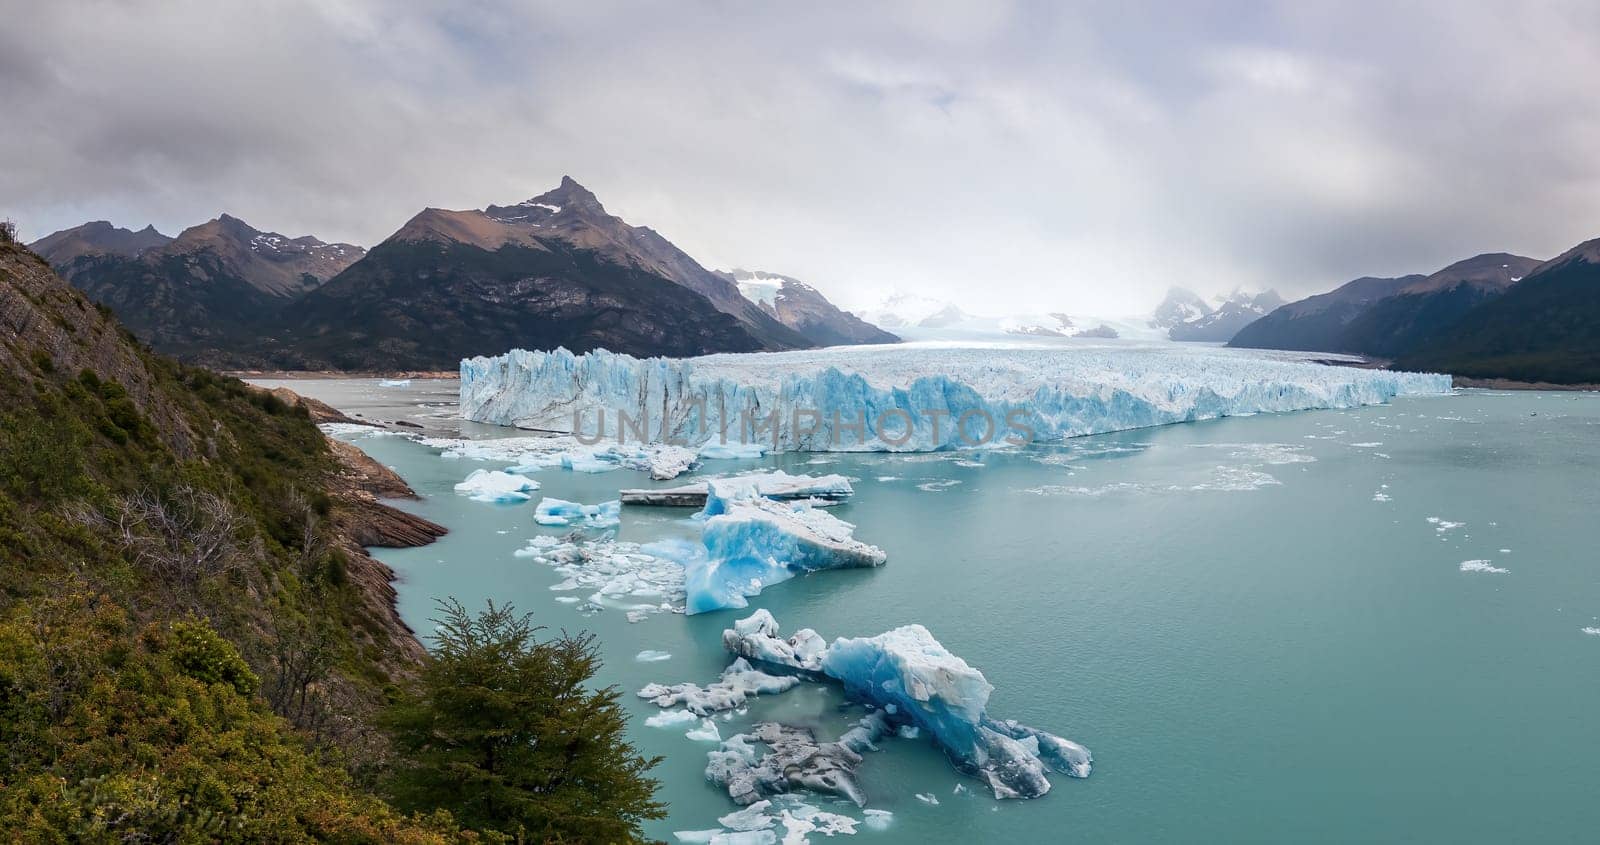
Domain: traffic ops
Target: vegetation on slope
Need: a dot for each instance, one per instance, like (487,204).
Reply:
(191,649)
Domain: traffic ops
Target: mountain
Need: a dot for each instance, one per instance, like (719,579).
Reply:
(1180,305)
(201,294)
(573,214)
(1387,319)
(96,238)
(1545,327)
(1317,323)
(453,284)
(1419,311)
(803,308)
(1237,310)
(902,310)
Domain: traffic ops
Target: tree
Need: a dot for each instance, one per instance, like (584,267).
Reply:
(502,731)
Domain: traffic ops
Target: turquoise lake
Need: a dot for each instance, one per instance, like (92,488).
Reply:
(1251,622)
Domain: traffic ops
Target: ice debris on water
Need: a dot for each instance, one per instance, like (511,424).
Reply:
(907,399)
(490,485)
(739,682)
(1482,566)
(651,655)
(617,575)
(908,677)
(662,461)
(562,513)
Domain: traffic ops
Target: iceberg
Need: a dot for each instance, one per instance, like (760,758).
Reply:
(562,513)
(752,543)
(915,681)
(817,489)
(492,485)
(905,397)
(394,382)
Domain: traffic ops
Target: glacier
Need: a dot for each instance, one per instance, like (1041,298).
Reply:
(907,397)
(905,676)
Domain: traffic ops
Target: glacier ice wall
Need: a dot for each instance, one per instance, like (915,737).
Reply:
(905,398)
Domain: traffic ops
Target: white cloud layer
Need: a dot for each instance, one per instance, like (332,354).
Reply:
(1066,158)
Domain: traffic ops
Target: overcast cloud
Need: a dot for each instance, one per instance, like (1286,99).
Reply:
(1065,159)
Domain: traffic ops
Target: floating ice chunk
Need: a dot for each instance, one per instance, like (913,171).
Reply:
(701,837)
(394,382)
(908,670)
(739,682)
(707,732)
(671,719)
(652,656)
(490,485)
(756,637)
(1593,632)
(909,399)
(1380,496)
(1443,525)
(928,798)
(753,817)
(802,819)
(1482,566)
(754,543)
(877,819)
(779,485)
(560,512)
(795,761)
(910,732)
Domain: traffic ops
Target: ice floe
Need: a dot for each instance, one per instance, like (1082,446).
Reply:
(905,676)
(739,682)
(492,485)
(651,655)
(1482,566)
(905,398)
(562,513)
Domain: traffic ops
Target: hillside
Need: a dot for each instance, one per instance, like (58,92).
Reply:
(1385,318)
(451,285)
(1545,328)
(803,308)
(1317,323)
(187,543)
(202,295)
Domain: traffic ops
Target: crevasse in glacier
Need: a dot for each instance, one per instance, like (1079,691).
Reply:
(903,398)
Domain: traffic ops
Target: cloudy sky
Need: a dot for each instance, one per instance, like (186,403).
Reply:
(1003,155)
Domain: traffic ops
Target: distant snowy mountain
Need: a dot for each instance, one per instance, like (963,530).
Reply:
(1181,305)
(1234,311)
(803,308)
(918,317)
(901,310)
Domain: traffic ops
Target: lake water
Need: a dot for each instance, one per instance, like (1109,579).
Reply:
(1260,626)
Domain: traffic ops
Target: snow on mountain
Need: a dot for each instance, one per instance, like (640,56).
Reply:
(1234,311)
(914,397)
(917,317)
(1180,305)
